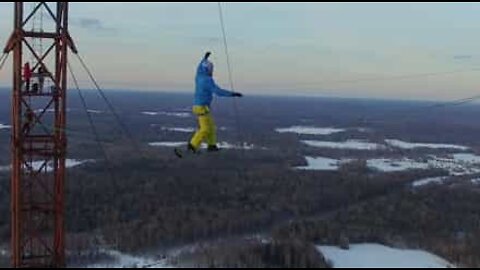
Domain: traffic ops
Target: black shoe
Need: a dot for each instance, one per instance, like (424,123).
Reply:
(213,148)
(178,152)
(192,149)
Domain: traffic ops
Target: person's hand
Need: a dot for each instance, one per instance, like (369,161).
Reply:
(207,55)
(235,94)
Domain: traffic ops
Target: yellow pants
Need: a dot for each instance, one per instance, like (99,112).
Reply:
(207,131)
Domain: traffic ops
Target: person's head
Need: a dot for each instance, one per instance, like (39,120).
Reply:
(207,64)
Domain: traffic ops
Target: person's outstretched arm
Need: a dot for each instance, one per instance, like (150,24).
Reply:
(222,92)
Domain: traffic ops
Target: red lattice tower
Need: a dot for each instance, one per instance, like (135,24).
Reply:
(39,141)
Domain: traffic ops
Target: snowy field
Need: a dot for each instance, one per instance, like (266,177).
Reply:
(303,130)
(409,145)
(2,126)
(167,144)
(95,111)
(379,256)
(322,164)
(122,260)
(355,144)
(179,129)
(467,158)
(429,181)
(37,165)
(475,181)
(51,110)
(349,144)
(311,130)
(456,164)
(395,165)
(172,114)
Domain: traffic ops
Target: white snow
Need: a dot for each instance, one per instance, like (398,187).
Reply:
(349,144)
(176,114)
(409,145)
(122,260)
(475,181)
(95,111)
(50,110)
(321,164)
(37,165)
(456,164)
(226,145)
(379,256)
(69,163)
(428,181)
(365,130)
(173,114)
(2,126)
(467,158)
(179,129)
(167,144)
(304,130)
(395,165)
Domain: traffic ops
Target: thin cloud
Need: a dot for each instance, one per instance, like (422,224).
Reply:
(93,24)
(463,57)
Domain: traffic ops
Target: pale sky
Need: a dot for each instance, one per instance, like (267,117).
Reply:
(280,48)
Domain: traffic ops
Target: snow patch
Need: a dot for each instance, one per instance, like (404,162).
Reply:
(321,164)
(349,144)
(176,114)
(173,114)
(365,130)
(69,163)
(395,165)
(167,144)
(475,181)
(456,164)
(95,111)
(48,167)
(379,256)
(122,260)
(467,158)
(409,145)
(428,181)
(304,130)
(178,129)
(2,126)
(49,110)
(226,145)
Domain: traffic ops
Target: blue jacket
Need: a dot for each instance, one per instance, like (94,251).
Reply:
(205,87)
